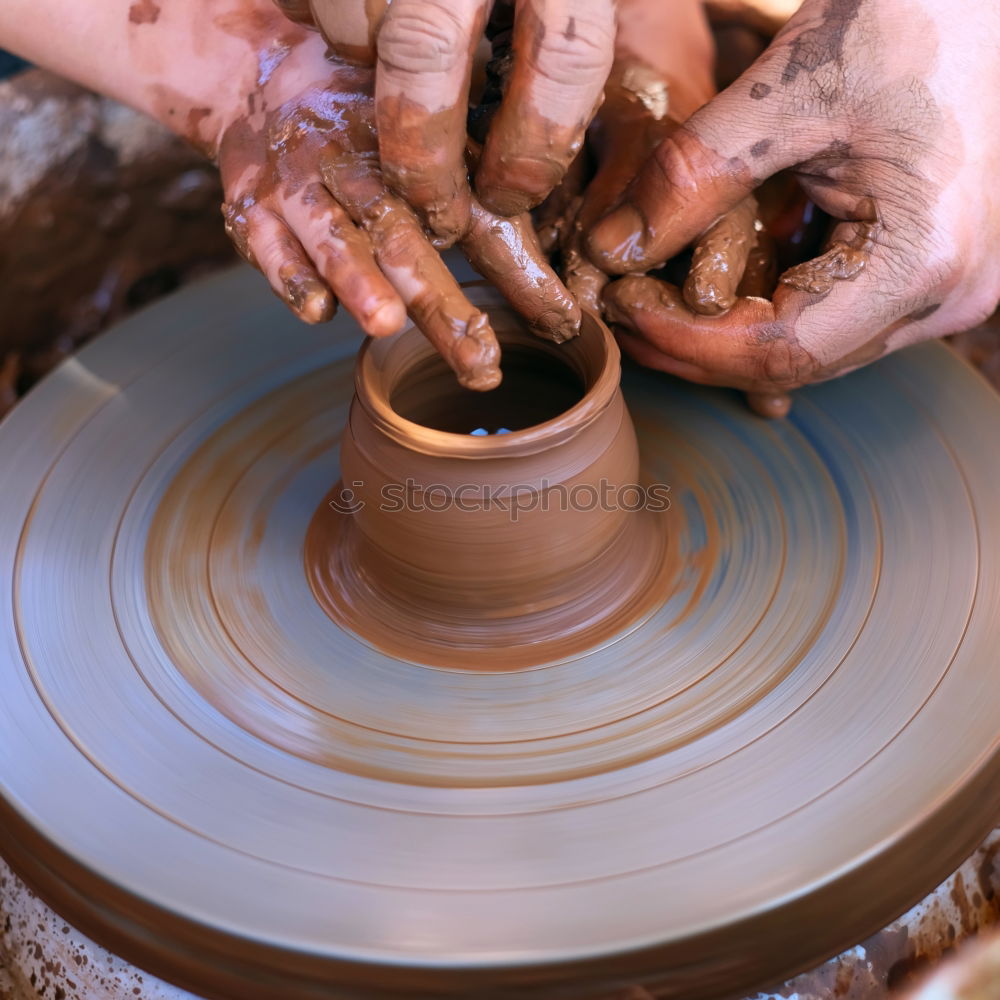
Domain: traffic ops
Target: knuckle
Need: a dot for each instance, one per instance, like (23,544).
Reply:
(578,56)
(239,216)
(684,161)
(396,235)
(781,362)
(673,164)
(425,37)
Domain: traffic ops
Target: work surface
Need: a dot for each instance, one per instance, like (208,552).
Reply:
(811,712)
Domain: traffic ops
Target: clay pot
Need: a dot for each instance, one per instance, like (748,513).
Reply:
(489,550)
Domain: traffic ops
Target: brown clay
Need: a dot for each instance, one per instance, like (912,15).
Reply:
(416,147)
(844,261)
(720,258)
(495,552)
(422,148)
(519,124)
(760,275)
(506,253)
(552,217)
(629,124)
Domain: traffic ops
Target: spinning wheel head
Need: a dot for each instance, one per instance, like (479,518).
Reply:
(751,772)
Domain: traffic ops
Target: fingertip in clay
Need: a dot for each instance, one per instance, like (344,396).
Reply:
(481,380)
(557,326)
(476,355)
(706,297)
(844,261)
(720,260)
(307,296)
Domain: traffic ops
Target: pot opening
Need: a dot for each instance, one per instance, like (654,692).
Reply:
(538,385)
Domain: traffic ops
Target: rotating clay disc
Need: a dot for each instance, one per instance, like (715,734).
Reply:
(799,742)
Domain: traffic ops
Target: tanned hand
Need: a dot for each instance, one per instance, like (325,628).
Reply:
(884,109)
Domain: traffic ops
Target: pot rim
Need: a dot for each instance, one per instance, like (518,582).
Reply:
(529,440)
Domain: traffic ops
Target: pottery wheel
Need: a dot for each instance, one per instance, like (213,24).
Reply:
(799,743)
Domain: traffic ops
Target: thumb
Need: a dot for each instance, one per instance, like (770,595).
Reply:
(698,173)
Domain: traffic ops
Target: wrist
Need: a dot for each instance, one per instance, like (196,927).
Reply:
(200,88)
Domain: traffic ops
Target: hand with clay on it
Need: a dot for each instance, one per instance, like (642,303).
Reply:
(294,135)
(423,51)
(307,204)
(661,74)
(883,110)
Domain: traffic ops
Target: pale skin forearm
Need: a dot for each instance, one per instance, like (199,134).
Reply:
(187,63)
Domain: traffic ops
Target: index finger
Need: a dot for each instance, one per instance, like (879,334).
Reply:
(562,56)
(433,298)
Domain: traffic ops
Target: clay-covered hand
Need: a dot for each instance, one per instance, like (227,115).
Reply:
(424,51)
(294,134)
(306,203)
(662,73)
(879,107)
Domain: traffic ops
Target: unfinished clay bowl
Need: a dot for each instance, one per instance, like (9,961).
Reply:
(490,550)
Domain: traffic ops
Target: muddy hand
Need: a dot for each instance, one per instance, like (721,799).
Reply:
(661,75)
(877,105)
(508,253)
(424,51)
(306,203)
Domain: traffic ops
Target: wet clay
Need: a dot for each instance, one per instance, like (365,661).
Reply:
(844,261)
(557,212)
(422,148)
(546,143)
(422,156)
(630,123)
(549,229)
(491,552)
(760,275)
(720,259)
(506,253)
